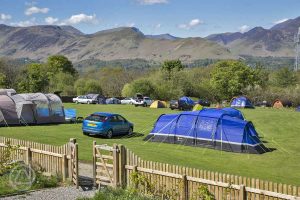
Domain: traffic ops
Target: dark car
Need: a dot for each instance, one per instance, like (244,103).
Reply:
(106,124)
(203,102)
(181,105)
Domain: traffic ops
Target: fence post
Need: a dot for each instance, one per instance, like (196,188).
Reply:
(242,193)
(94,164)
(28,156)
(134,170)
(116,165)
(184,188)
(76,159)
(64,167)
(123,178)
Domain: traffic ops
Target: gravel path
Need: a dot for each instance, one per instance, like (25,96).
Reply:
(63,193)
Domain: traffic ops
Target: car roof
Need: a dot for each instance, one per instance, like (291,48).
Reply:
(104,114)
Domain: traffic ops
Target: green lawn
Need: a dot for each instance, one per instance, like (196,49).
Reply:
(279,128)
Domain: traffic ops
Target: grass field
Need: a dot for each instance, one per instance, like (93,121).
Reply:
(280,129)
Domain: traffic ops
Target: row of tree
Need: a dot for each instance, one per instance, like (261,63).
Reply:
(216,82)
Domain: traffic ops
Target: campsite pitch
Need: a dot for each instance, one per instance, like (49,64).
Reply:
(279,129)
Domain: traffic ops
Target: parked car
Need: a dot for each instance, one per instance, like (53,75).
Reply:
(84,99)
(203,102)
(145,101)
(128,101)
(113,101)
(181,105)
(106,124)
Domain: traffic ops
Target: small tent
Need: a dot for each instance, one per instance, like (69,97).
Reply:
(100,99)
(187,100)
(282,104)
(298,109)
(212,128)
(197,107)
(241,102)
(158,104)
(8,114)
(26,110)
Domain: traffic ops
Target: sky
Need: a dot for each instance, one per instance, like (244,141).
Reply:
(182,18)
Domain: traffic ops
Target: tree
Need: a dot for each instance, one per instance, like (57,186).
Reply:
(170,67)
(60,63)
(93,86)
(143,86)
(35,79)
(63,82)
(127,90)
(284,77)
(230,78)
(2,80)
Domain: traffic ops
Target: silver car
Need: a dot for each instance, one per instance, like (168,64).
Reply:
(84,100)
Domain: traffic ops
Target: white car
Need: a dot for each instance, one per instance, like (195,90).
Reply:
(130,101)
(84,100)
(146,101)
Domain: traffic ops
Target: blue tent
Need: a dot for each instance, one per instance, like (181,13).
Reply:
(223,129)
(187,100)
(298,109)
(241,102)
(70,115)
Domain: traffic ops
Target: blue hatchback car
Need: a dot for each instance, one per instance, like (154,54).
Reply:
(106,124)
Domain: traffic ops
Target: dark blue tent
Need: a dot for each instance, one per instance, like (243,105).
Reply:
(241,102)
(187,100)
(222,129)
(298,109)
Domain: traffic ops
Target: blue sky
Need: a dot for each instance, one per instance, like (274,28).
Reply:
(183,18)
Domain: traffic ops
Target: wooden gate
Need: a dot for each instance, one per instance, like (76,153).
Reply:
(74,162)
(105,165)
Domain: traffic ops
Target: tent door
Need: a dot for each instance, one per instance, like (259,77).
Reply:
(27,114)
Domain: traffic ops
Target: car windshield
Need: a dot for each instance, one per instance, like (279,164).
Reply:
(97,118)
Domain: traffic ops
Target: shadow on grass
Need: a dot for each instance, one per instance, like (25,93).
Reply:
(134,135)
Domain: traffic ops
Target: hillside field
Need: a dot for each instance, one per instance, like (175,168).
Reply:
(279,129)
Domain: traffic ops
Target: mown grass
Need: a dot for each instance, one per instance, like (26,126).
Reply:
(280,129)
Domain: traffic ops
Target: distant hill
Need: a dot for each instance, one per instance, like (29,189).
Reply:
(277,41)
(163,37)
(39,42)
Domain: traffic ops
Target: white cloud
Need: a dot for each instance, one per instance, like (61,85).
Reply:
(132,24)
(30,22)
(151,2)
(244,28)
(280,21)
(34,10)
(193,23)
(4,17)
(157,26)
(81,18)
(51,20)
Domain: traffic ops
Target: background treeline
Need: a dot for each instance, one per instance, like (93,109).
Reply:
(219,80)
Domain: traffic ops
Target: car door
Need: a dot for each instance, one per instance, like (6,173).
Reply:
(115,124)
(124,126)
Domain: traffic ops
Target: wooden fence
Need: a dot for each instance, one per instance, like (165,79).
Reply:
(180,182)
(53,160)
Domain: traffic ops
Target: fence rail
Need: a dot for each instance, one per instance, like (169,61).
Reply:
(184,183)
(53,160)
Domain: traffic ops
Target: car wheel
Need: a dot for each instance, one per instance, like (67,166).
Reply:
(145,105)
(130,131)
(109,134)
(172,108)
(84,133)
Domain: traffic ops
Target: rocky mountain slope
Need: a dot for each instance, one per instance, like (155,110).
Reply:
(276,41)
(38,42)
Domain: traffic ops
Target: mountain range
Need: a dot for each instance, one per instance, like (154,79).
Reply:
(39,42)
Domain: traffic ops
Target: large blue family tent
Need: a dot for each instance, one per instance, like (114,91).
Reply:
(241,102)
(223,129)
